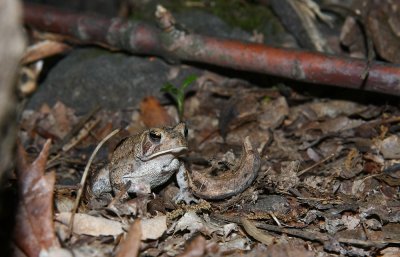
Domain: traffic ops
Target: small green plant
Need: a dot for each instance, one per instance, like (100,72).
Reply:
(178,93)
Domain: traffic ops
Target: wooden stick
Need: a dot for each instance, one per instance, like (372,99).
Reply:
(83,180)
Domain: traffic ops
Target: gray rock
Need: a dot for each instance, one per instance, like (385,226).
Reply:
(197,21)
(273,203)
(90,77)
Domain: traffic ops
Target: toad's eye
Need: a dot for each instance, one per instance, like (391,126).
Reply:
(185,131)
(155,136)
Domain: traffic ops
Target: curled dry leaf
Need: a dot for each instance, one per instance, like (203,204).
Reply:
(44,49)
(231,182)
(257,234)
(34,231)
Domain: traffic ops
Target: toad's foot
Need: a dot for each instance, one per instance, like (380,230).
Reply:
(186,197)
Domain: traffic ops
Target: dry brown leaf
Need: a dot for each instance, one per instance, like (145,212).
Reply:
(153,114)
(45,109)
(383,24)
(329,126)
(288,250)
(273,113)
(195,248)
(55,122)
(351,36)
(390,252)
(390,147)
(154,228)
(34,231)
(85,224)
(64,118)
(131,245)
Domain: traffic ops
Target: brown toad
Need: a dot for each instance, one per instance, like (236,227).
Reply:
(144,161)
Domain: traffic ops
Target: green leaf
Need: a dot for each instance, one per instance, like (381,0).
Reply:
(169,88)
(189,80)
(179,93)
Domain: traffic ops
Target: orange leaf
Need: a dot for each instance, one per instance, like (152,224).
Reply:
(153,114)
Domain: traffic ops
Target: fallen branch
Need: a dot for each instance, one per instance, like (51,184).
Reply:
(142,38)
(311,235)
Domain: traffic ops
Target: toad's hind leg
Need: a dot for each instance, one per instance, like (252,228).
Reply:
(100,183)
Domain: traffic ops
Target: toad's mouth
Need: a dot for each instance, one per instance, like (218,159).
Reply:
(176,151)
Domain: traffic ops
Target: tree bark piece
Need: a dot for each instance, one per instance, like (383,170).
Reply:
(142,38)
(11,48)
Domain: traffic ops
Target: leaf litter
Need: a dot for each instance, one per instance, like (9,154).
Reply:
(347,204)
(328,183)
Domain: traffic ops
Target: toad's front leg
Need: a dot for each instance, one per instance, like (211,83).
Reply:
(183,183)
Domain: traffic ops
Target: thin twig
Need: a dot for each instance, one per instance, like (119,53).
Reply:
(83,133)
(315,165)
(83,180)
(275,218)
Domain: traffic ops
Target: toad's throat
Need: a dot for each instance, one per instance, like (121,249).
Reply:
(176,150)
